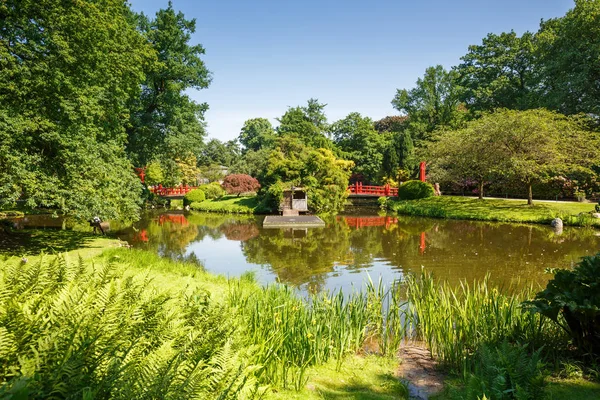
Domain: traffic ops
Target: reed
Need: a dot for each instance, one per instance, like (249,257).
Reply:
(455,322)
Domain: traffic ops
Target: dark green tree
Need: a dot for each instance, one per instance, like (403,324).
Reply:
(256,134)
(358,139)
(308,124)
(165,122)
(68,70)
(569,54)
(499,73)
(432,104)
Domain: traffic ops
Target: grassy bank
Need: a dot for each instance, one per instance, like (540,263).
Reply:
(129,324)
(229,205)
(455,207)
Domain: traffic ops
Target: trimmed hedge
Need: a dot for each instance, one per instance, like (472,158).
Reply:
(194,196)
(413,190)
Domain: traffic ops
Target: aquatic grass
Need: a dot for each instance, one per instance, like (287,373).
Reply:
(293,334)
(455,322)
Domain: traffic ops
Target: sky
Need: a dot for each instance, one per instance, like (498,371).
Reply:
(267,55)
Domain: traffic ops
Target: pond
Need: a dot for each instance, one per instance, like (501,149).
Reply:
(352,248)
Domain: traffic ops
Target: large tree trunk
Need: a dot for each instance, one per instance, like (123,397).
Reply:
(481,190)
(529,195)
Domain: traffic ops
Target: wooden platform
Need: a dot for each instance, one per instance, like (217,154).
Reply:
(299,221)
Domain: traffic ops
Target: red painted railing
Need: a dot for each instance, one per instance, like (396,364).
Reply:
(361,222)
(180,190)
(381,191)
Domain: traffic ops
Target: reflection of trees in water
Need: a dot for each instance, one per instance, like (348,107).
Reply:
(240,231)
(453,250)
(300,257)
(458,250)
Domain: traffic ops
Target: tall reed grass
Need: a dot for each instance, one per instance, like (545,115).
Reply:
(455,322)
(292,334)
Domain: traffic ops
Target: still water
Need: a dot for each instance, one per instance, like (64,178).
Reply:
(351,248)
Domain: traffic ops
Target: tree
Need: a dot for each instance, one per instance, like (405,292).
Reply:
(256,134)
(499,73)
(357,137)
(432,104)
(240,183)
(308,124)
(466,154)
(569,54)
(165,122)
(392,123)
(399,155)
(67,72)
(535,145)
(292,163)
(221,153)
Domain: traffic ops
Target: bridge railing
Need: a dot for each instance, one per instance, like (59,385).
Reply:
(180,190)
(368,190)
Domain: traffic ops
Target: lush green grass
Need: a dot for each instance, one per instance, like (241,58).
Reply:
(455,207)
(229,204)
(360,378)
(573,389)
(31,242)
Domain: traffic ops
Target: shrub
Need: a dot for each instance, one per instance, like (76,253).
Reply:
(154,173)
(212,190)
(506,371)
(572,300)
(240,183)
(413,190)
(194,196)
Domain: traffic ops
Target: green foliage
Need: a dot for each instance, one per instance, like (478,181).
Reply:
(572,300)
(455,207)
(413,190)
(362,144)
(456,321)
(63,105)
(154,173)
(256,134)
(499,73)
(73,330)
(506,372)
(165,122)
(569,48)
(307,124)
(212,190)
(318,170)
(432,104)
(219,153)
(230,205)
(196,195)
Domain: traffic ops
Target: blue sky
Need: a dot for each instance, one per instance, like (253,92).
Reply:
(352,55)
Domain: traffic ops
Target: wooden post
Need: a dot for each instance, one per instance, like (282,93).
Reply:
(422,171)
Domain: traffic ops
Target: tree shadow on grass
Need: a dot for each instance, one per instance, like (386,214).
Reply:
(36,241)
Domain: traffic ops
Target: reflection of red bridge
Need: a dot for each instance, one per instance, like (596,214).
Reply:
(178,219)
(361,222)
(358,189)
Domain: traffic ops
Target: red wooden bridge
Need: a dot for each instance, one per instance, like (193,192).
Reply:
(358,189)
(173,192)
(361,222)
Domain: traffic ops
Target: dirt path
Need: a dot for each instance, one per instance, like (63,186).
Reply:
(419,371)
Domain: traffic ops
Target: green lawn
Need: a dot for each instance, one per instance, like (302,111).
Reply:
(228,204)
(455,207)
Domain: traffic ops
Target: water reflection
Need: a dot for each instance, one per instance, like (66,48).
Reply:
(341,253)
